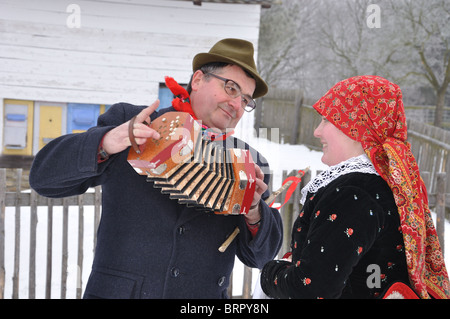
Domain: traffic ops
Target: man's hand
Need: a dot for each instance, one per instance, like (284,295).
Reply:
(254,214)
(118,138)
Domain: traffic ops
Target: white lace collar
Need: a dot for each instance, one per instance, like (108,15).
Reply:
(360,164)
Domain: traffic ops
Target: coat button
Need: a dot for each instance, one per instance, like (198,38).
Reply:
(174,272)
(181,230)
(221,281)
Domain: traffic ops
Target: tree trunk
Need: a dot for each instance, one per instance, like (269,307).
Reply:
(440,103)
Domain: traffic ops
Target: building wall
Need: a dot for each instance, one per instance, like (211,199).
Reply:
(104,52)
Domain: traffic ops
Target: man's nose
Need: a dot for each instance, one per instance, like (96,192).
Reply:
(236,102)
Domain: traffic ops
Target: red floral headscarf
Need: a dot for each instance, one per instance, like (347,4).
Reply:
(369,109)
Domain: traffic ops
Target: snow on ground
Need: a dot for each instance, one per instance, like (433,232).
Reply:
(280,157)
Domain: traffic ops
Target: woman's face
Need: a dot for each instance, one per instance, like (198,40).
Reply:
(337,146)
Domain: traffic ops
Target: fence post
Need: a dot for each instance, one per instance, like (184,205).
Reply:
(48,280)
(440,208)
(286,217)
(247,287)
(65,249)
(2,230)
(18,218)
(297,105)
(33,234)
(80,246)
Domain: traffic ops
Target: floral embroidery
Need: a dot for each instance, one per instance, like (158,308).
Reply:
(359,250)
(332,217)
(349,232)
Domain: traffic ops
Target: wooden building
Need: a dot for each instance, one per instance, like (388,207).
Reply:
(62,63)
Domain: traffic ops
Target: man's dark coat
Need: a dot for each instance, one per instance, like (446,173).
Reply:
(148,245)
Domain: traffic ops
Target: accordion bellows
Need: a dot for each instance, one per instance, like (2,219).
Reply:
(194,170)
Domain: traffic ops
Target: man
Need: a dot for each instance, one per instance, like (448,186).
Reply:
(148,245)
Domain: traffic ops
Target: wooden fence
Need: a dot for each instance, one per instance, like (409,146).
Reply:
(34,260)
(430,146)
(12,215)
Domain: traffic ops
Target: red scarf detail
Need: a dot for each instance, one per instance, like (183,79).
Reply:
(182,101)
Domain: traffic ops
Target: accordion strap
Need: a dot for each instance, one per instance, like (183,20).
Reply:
(131,134)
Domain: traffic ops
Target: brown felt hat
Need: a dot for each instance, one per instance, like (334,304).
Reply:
(233,51)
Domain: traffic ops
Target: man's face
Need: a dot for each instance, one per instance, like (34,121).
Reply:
(212,105)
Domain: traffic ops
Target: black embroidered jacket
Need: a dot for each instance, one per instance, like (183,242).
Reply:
(346,243)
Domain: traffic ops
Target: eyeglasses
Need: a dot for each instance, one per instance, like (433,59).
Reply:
(234,90)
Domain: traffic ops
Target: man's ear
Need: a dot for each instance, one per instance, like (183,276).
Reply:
(197,78)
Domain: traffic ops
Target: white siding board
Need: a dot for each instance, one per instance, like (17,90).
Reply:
(79,71)
(95,14)
(121,52)
(21,58)
(106,42)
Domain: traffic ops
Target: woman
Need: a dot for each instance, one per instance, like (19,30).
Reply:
(365,228)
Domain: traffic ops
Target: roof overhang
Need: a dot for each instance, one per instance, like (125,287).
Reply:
(264,3)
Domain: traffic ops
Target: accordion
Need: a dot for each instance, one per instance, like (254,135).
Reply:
(193,169)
